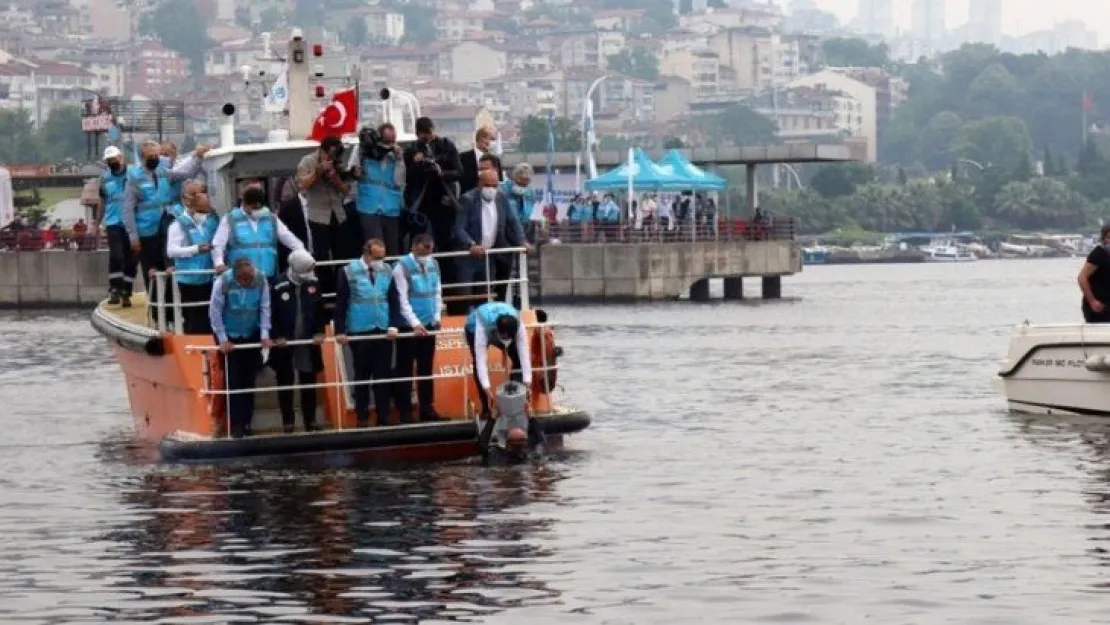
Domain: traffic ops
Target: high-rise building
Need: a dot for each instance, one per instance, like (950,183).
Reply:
(984,18)
(876,17)
(928,21)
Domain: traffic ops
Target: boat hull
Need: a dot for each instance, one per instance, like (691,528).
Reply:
(1055,369)
(424,442)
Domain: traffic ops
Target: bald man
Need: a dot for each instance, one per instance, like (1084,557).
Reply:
(486,221)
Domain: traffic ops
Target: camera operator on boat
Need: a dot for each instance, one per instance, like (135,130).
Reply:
(434,169)
(240,313)
(298,314)
(1094,281)
(323,183)
(380,172)
(251,231)
(497,324)
(189,246)
(365,305)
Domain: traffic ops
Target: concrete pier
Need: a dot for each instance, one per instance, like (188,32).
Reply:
(53,279)
(662,271)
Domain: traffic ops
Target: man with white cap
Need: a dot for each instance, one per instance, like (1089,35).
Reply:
(121,260)
(298,314)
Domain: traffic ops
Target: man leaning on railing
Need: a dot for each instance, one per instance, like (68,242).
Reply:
(416,277)
(240,313)
(298,314)
(189,244)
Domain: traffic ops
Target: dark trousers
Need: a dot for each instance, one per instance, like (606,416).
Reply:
(417,353)
(385,229)
(152,257)
(472,270)
(281,361)
(193,317)
(516,374)
(241,367)
(121,261)
(374,360)
(330,241)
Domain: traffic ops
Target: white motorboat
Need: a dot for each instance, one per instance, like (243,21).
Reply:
(1058,369)
(948,252)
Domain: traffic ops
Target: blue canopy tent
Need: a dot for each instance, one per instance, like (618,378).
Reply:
(698,179)
(646,176)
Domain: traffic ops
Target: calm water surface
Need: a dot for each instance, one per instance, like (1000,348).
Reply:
(837,459)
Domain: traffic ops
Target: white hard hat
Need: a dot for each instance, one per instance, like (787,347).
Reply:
(112,152)
(301,262)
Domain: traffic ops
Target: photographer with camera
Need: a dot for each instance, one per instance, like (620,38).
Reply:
(324,185)
(434,170)
(380,172)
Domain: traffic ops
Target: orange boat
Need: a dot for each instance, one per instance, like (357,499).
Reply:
(175,381)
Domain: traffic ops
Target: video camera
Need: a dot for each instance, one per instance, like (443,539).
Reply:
(370,144)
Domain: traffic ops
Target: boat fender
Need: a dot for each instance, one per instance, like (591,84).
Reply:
(544,353)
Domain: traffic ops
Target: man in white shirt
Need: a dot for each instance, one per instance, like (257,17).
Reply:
(252,231)
(486,221)
(189,248)
(416,277)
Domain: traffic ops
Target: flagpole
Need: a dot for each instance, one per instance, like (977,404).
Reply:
(549,188)
(1086,105)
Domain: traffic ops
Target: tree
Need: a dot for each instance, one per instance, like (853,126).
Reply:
(844,52)
(420,23)
(997,141)
(181,28)
(61,137)
(20,145)
(533,135)
(356,34)
(638,62)
(741,125)
(839,180)
(673,143)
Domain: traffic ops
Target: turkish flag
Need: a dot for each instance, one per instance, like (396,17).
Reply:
(338,118)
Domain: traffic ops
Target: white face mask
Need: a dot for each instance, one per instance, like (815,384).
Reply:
(377,264)
(488,193)
(519,190)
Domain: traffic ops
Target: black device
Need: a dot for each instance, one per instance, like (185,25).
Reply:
(370,144)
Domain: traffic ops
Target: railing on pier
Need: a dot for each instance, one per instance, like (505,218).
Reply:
(734,230)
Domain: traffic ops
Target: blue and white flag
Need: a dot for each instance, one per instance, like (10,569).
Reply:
(277,96)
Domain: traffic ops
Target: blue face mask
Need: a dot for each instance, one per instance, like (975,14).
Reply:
(165,161)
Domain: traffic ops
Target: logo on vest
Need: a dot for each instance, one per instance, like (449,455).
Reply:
(285,297)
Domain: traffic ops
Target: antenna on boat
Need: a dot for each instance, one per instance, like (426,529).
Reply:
(300,100)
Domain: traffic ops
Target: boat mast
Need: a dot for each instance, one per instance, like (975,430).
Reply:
(300,98)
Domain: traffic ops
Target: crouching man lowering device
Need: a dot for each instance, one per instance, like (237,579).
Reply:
(513,437)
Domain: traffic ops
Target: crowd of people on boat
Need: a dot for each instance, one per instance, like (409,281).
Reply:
(251,277)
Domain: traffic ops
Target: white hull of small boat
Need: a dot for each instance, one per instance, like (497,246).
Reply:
(1058,369)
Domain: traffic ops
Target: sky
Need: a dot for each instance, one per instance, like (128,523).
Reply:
(1018,16)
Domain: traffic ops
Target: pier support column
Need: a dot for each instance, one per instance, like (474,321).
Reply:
(699,291)
(772,287)
(734,287)
(752,192)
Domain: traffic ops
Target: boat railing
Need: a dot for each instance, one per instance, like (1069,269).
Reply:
(160,304)
(347,384)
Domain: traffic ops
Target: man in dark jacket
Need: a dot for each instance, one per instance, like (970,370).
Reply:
(298,314)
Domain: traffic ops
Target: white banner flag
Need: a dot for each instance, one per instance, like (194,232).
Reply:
(277,97)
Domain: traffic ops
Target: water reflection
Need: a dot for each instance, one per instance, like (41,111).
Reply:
(437,542)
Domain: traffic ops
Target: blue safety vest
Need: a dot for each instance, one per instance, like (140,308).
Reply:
(608,212)
(423,287)
(488,313)
(258,244)
(579,213)
(523,203)
(369,303)
(177,210)
(175,186)
(154,195)
(242,306)
(112,186)
(196,235)
(378,193)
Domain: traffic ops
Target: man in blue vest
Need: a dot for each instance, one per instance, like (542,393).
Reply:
(121,261)
(365,305)
(251,231)
(240,313)
(189,246)
(381,187)
(416,277)
(298,316)
(497,324)
(147,198)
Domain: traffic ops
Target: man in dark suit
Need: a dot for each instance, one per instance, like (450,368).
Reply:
(298,314)
(485,222)
(472,159)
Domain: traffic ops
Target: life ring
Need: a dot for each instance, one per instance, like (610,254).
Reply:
(544,354)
